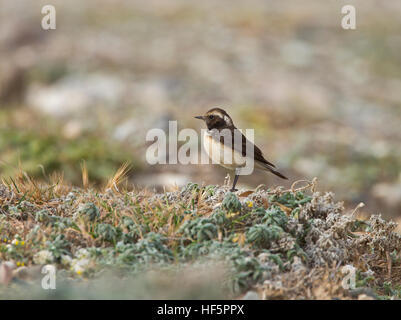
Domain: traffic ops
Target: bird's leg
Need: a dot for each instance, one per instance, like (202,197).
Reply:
(235,182)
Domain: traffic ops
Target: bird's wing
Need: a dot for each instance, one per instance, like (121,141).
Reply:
(258,156)
(257,153)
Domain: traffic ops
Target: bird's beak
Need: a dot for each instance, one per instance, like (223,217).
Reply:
(200,117)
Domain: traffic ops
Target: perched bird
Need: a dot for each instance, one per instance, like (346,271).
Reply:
(219,150)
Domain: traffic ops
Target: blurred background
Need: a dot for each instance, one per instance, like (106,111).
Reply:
(323,101)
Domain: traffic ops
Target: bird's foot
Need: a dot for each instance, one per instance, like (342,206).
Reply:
(233,190)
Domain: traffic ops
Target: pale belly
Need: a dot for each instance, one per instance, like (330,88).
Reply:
(221,154)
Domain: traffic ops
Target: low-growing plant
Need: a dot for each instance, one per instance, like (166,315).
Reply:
(231,203)
(267,241)
(261,235)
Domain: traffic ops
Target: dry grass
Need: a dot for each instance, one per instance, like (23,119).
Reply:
(283,244)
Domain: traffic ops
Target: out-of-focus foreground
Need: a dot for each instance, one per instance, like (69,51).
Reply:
(262,244)
(324,101)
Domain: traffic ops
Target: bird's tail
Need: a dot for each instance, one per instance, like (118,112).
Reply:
(269,168)
(278,174)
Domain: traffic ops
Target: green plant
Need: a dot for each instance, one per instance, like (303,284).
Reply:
(262,235)
(231,203)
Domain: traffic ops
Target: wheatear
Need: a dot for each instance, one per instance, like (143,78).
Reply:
(230,154)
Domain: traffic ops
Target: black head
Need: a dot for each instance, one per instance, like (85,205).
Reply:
(217,118)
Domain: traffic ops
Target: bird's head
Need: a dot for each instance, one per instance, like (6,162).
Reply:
(217,118)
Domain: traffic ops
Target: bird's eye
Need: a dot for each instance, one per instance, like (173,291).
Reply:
(211,117)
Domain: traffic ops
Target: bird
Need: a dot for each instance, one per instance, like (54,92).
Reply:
(216,147)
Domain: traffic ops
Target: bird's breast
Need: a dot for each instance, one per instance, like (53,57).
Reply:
(221,154)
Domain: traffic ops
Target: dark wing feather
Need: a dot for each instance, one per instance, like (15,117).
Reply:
(257,153)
